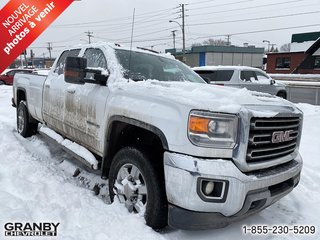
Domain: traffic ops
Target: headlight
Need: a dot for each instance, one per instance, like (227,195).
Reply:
(207,129)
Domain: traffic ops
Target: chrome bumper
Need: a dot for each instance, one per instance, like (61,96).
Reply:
(182,175)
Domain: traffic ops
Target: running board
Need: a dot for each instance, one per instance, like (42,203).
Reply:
(79,152)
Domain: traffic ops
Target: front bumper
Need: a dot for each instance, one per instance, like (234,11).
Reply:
(246,193)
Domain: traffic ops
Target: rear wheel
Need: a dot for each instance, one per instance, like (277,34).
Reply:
(2,82)
(282,95)
(134,181)
(24,126)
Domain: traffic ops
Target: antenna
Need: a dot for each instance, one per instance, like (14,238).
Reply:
(134,12)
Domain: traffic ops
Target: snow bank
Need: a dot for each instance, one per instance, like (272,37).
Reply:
(36,185)
(294,76)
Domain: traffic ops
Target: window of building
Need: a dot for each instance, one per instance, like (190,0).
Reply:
(317,62)
(283,62)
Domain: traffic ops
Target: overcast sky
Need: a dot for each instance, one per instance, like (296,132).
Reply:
(111,21)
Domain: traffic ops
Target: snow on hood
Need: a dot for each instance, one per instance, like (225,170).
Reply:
(208,97)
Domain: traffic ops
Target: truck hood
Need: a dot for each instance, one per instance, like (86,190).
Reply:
(206,97)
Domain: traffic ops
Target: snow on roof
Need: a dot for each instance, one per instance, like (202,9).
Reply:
(301,47)
(225,68)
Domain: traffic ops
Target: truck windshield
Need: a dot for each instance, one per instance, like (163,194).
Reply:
(145,66)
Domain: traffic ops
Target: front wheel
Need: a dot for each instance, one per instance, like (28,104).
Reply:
(2,82)
(135,182)
(24,126)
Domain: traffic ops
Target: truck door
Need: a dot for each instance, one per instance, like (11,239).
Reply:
(249,80)
(85,106)
(265,83)
(53,93)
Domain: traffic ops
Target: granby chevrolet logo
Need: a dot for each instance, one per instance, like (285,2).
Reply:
(281,136)
(15,229)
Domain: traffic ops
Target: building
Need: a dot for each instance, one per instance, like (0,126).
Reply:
(35,63)
(221,55)
(303,58)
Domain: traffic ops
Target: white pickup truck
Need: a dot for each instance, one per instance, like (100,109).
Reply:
(176,150)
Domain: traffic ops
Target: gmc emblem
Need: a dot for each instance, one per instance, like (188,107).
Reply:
(281,136)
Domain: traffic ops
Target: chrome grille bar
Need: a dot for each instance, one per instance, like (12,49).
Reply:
(262,147)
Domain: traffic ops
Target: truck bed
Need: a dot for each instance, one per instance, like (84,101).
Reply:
(33,85)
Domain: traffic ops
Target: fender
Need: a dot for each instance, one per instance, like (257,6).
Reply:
(106,160)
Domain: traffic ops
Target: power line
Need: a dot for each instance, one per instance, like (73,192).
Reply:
(259,31)
(245,8)
(128,18)
(224,4)
(196,3)
(254,19)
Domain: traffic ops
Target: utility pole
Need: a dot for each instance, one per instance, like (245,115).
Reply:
(174,38)
(89,34)
(182,26)
(49,48)
(183,35)
(228,40)
(25,57)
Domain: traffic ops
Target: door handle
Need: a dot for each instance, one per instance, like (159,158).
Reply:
(72,91)
(47,86)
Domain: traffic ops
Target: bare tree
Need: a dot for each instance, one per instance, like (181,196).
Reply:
(212,42)
(285,47)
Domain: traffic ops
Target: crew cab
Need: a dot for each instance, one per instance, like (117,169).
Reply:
(253,79)
(174,150)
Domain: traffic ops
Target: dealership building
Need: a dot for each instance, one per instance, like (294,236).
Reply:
(221,55)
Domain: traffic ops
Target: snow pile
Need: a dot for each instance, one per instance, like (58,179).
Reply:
(195,95)
(295,76)
(36,185)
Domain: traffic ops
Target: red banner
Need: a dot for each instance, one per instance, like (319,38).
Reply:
(22,21)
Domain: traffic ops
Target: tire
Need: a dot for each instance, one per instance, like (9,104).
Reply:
(282,95)
(24,127)
(148,198)
(2,83)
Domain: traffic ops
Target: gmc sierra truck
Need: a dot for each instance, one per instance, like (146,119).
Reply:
(174,149)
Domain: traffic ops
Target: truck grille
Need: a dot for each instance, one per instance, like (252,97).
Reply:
(272,138)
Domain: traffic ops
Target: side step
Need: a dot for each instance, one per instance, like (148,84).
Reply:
(79,152)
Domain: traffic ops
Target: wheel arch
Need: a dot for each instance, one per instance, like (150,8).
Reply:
(123,131)
(283,93)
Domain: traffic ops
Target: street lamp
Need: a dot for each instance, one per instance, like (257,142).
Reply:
(174,38)
(183,39)
(266,41)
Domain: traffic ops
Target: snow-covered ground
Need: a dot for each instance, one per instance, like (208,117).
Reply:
(36,185)
(298,77)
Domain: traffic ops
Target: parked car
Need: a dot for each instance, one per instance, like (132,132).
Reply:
(251,78)
(6,78)
(174,150)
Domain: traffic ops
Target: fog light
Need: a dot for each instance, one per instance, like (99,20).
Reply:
(213,190)
(208,187)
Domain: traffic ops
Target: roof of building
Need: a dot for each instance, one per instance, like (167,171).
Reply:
(309,47)
(224,49)
(305,37)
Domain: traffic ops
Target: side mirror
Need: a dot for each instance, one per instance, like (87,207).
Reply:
(272,82)
(75,70)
